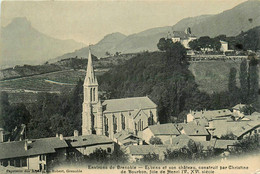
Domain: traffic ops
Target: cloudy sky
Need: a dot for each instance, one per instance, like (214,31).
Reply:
(90,21)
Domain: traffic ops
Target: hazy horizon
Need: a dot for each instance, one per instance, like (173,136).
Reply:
(89,21)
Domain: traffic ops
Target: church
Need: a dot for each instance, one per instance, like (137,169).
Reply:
(112,116)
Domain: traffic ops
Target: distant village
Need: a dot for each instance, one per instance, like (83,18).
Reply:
(131,124)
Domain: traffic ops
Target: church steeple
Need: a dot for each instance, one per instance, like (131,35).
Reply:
(90,75)
(90,90)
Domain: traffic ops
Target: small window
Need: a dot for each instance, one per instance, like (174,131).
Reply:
(11,162)
(109,150)
(17,163)
(84,139)
(40,167)
(24,162)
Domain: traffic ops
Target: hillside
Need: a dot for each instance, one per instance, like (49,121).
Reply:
(231,23)
(22,44)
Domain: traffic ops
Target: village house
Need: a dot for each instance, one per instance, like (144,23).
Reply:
(33,154)
(240,128)
(86,144)
(40,154)
(221,114)
(137,153)
(125,138)
(163,131)
(194,130)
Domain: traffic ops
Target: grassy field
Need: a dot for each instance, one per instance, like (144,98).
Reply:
(63,79)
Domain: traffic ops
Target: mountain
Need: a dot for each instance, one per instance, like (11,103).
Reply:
(231,22)
(22,44)
(99,49)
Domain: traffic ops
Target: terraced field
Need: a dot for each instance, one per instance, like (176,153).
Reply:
(49,82)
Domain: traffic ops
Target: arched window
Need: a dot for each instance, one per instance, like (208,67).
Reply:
(106,126)
(94,93)
(123,121)
(114,124)
(91,94)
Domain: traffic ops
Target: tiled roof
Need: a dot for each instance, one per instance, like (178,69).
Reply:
(211,114)
(238,128)
(146,149)
(39,146)
(128,104)
(223,144)
(182,35)
(87,140)
(192,129)
(164,129)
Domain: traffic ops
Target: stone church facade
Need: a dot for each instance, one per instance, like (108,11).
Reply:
(112,116)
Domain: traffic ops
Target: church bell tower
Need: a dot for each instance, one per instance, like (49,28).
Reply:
(90,91)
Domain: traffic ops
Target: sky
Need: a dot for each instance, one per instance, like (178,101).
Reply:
(89,21)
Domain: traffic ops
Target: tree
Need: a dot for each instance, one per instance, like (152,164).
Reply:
(229,136)
(150,158)
(155,141)
(233,90)
(247,144)
(243,79)
(248,110)
(253,78)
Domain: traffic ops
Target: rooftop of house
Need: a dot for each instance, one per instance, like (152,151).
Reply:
(146,149)
(223,144)
(164,129)
(182,35)
(211,114)
(128,104)
(192,129)
(34,147)
(238,128)
(87,140)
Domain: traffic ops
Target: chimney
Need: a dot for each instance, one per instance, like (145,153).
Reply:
(76,133)
(61,137)
(57,135)
(25,145)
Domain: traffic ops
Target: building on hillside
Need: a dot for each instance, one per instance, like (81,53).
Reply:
(115,115)
(184,37)
(221,114)
(163,131)
(224,46)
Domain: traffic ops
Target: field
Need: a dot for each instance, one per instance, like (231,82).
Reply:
(50,82)
(211,76)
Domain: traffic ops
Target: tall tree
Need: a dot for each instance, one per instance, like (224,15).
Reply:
(253,78)
(243,79)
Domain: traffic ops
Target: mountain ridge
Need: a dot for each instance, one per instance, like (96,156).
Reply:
(229,22)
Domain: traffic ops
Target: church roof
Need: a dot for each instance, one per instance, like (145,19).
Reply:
(128,104)
(164,129)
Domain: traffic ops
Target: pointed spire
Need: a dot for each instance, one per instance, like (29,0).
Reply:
(90,75)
